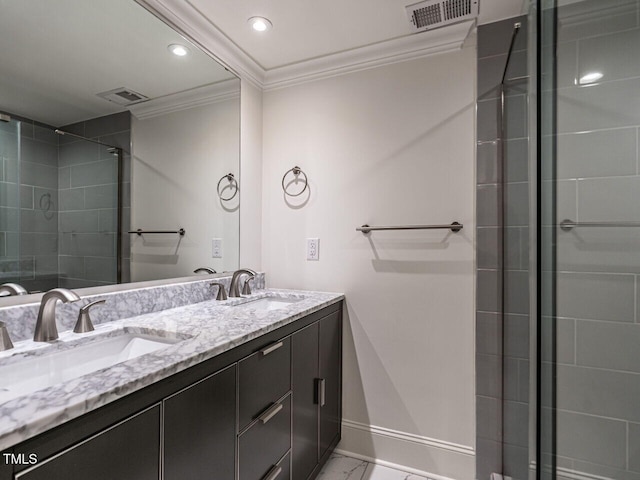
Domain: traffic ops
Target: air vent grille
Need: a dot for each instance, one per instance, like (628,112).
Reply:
(438,13)
(456,8)
(426,16)
(123,96)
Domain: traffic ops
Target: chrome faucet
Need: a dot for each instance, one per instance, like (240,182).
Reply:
(46,329)
(13,289)
(234,289)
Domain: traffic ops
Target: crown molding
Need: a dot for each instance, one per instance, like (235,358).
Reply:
(400,49)
(189,21)
(196,97)
(183,17)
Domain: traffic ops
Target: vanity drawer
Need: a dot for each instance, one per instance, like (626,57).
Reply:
(264,377)
(281,470)
(264,444)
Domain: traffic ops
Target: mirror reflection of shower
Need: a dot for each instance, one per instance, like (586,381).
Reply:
(61,204)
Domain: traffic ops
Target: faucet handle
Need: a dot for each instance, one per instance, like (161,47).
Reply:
(246,288)
(84,324)
(5,340)
(222,294)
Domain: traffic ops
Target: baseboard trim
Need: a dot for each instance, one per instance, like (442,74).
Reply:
(410,437)
(395,466)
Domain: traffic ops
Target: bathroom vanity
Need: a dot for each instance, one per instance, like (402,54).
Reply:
(250,390)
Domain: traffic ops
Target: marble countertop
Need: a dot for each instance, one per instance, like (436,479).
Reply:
(203,330)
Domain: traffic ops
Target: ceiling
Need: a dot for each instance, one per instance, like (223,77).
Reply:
(64,53)
(57,56)
(304,30)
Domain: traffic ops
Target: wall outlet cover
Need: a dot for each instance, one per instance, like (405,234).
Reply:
(216,248)
(313,249)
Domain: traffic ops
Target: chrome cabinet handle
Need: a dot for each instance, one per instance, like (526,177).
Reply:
(273,473)
(321,389)
(271,348)
(270,413)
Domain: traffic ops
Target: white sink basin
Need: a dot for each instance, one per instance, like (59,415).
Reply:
(41,371)
(270,303)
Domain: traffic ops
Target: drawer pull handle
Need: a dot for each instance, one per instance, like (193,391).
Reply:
(321,389)
(273,473)
(270,413)
(271,348)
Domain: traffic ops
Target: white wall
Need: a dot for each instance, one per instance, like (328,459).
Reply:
(391,145)
(178,159)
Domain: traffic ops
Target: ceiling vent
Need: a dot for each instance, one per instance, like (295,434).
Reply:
(438,13)
(123,96)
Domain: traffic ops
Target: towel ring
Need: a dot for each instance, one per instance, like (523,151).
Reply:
(232,181)
(296,171)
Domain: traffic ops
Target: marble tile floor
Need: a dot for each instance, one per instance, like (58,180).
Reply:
(340,467)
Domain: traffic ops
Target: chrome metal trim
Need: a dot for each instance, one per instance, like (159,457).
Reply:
(62,132)
(139,231)
(84,324)
(5,339)
(232,181)
(222,294)
(454,227)
(296,171)
(273,473)
(568,225)
(271,348)
(322,392)
(270,412)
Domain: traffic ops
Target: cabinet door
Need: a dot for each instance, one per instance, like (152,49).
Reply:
(331,379)
(304,375)
(200,430)
(129,450)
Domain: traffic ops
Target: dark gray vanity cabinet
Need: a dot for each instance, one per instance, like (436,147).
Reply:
(264,377)
(316,357)
(265,443)
(200,429)
(269,409)
(130,449)
(265,412)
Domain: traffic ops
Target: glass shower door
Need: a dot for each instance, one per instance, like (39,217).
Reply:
(589,230)
(9,201)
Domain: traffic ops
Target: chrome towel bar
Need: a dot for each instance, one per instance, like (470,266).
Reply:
(180,232)
(454,227)
(568,225)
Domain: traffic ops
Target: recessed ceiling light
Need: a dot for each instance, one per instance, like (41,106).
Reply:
(179,50)
(590,77)
(260,24)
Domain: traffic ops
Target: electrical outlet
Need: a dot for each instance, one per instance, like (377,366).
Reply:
(313,249)
(216,248)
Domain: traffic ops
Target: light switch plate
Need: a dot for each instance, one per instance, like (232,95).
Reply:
(313,249)
(216,248)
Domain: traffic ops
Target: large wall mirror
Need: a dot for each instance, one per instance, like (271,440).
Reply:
(112,123)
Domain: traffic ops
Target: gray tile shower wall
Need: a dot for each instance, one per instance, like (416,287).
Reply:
(21,319)
(502,306)
(597,164)
(29,206)
(88,192)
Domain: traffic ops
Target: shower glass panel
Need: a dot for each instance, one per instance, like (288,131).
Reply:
(88,216)
(515,260)
(59,208)
(9,201)
(589,222)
